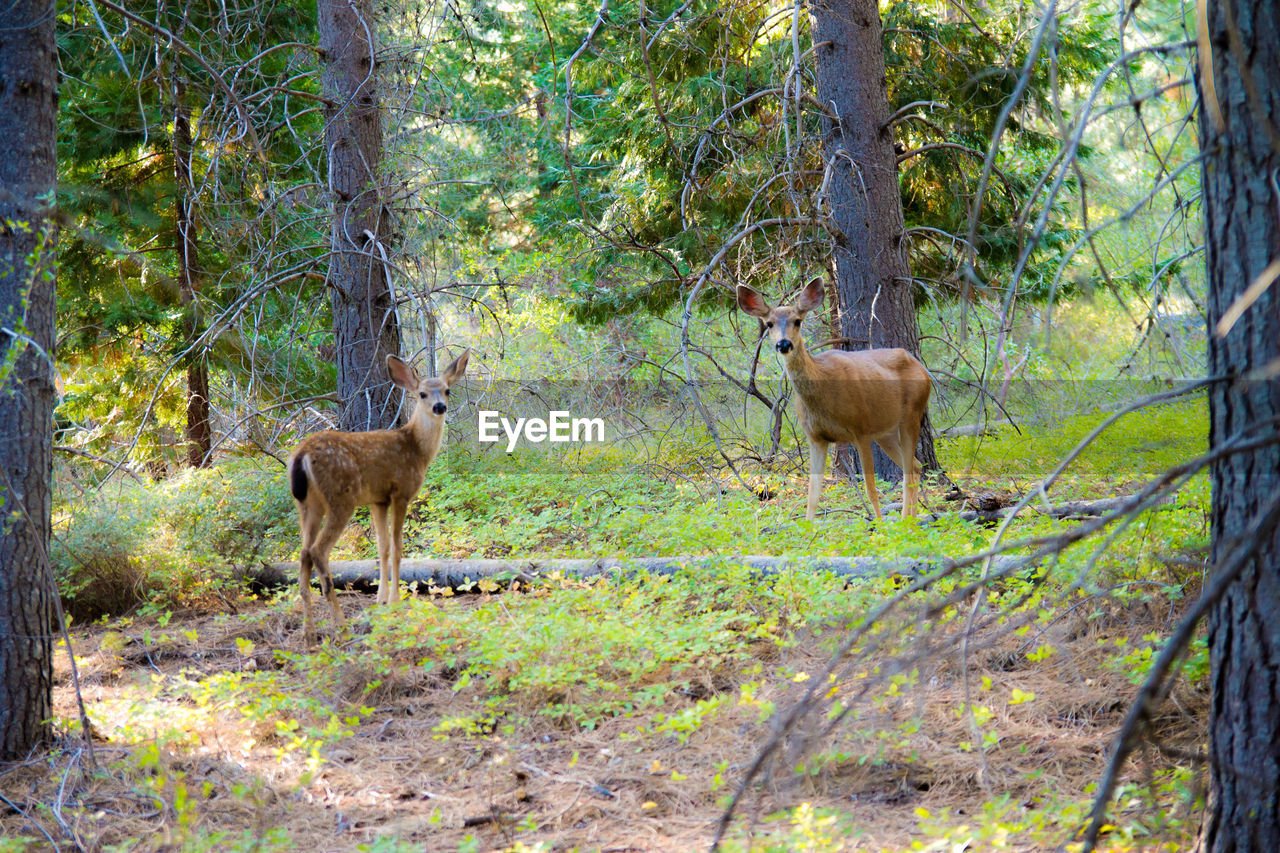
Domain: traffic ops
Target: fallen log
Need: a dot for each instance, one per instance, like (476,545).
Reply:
(462,574)
(1066,510)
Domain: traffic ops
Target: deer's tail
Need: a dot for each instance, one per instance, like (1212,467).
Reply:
(298,477)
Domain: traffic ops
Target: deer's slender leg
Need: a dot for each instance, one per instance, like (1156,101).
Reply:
(817,467)
(869,473)
(334,524)
(895,447)
(398,509)
(310,518)
(908,435)
(894,451)
(378,513)
(911,489)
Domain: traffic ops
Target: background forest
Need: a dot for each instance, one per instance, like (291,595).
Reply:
(258,201)
(575,208)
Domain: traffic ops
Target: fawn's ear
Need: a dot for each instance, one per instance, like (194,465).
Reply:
(750,301)
(402,373)
(454,372)
(810,297)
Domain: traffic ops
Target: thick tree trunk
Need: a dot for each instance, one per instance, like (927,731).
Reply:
(28,111)
(364,319)
(199,434)
(1242,237)
(872,279)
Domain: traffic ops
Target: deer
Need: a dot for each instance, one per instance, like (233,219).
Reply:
(858,397)
(332,473)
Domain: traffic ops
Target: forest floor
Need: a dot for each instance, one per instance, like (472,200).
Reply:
(178,769)
(622,714)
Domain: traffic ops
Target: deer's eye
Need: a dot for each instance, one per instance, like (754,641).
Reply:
(422,394)
(446,392)
(769,325)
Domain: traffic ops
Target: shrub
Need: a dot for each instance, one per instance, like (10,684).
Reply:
(176,543)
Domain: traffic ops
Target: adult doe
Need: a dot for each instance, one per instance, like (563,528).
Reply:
(332,473)
(857,397)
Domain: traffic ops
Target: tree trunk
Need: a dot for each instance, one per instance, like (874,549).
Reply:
(365,326)
(872,281)
(28,113)
(1242,237)
(199,435)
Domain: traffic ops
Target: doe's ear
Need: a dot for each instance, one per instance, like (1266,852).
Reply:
(810,297)
(454,371)
(402,373)
(750,301)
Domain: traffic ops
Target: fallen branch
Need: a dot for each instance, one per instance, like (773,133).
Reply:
(460,574)
(1069,509)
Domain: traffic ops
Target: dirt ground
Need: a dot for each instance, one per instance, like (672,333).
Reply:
(616,787)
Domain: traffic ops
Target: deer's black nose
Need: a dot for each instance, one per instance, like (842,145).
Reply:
(439,408)
(784,346)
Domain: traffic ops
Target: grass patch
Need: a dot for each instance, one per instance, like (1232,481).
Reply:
(1135,448)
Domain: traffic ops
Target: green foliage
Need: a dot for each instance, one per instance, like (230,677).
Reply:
(966,71)
(1134,660)
(1003,823)
(679,133)
(576,652)
(491,504)
(120,297)
(235,513)
(684,724)
(1133,450)
(294,722)
(177,543)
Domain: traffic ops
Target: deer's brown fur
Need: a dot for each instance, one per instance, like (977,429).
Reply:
(332,473)
(858,397)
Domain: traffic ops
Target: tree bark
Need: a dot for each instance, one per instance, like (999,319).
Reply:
(28,115)
(873,284)
(199,434)
(365,326)
(1242,237)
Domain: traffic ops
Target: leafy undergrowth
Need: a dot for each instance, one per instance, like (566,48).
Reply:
(192,539)
(623,713)
(589,505)
(1135,448)
(616,715)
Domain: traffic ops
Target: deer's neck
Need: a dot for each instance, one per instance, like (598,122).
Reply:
(802,370)
(425,431)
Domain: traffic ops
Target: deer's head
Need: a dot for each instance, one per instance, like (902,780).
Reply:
(432,393)
(782,323)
